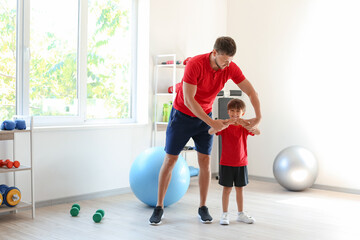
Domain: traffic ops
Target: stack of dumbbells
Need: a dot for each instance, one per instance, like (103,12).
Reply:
(9,196)
(9,164)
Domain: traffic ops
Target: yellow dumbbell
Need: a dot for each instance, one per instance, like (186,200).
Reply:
(11,196)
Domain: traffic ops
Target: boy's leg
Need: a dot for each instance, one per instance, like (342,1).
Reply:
(226,179)
(239,198)
(225,198)
(241,181)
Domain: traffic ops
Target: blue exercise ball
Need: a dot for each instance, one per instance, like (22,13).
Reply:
(295,168)
(144,176)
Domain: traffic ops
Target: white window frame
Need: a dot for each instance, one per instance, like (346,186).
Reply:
(23,69)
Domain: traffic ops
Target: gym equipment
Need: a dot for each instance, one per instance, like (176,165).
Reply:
(75,209)
(8,125)
(193,171)
(144,175)
(295,168)
(9,164)
(1,199)
(186,60)
(166,111)
(171,62)
(20,124)
(98,216)
(177,87)
(11,195)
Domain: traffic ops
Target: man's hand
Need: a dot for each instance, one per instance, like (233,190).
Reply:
(252,124)
(218,125)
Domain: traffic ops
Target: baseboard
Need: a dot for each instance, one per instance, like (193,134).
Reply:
(315,186)
(88,196)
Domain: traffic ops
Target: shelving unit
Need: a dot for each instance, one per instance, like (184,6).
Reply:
(6,135)
(165,75)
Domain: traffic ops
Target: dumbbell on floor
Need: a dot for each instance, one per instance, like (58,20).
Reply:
(98,215)
(75,209)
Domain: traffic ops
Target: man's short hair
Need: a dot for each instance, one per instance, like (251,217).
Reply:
(225,45)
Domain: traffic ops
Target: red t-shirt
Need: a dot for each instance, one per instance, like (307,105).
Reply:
(209,82)
(233,146)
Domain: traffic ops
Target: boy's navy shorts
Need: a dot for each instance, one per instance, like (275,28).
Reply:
(233,176)
(181,128)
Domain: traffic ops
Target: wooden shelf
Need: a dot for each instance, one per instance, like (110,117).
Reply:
(21,168)
(164,94)
(170,65)
(19,206)
(13,131)
(162,123)
(6,135)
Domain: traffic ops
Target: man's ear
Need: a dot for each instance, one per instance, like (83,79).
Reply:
(215,52)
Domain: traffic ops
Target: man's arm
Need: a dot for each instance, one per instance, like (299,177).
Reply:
(196,109)
(255,131)
(249,90)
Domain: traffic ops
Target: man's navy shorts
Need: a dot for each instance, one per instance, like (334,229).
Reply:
(181,128)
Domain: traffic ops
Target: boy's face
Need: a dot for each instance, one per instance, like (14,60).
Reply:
(235,113)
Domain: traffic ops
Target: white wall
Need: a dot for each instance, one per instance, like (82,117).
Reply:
(81,161)
(303,59)
(186,28)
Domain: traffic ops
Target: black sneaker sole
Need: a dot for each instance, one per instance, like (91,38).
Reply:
(206,221)
(155,224)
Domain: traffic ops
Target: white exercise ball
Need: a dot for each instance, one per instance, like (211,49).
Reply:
(295,168)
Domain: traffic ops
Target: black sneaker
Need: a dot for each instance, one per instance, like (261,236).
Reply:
(156,216)
(204,215)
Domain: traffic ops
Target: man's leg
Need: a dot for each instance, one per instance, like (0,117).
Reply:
(204,183)
(165,177)
(204,177)
(163,184)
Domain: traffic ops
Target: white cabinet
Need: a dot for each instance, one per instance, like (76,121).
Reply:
(14,136)
(167,73)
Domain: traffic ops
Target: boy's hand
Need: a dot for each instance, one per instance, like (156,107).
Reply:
(242,122)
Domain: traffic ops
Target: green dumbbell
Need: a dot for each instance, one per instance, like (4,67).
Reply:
(98,215)
(75,209)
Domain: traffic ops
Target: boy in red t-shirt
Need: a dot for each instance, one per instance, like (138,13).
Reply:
(233,161)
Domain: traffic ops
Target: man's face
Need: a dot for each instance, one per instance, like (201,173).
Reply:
(221,60)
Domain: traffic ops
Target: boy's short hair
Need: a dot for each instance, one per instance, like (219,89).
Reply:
(237,104)
(225,45)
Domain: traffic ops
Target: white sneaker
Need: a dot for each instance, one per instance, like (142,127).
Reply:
(243,217)
(224,220)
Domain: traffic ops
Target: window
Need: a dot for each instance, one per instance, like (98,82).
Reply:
(7,59)
(53,63)
(108,59)
(82,60)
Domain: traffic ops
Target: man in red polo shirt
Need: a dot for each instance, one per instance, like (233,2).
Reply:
(205,75)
